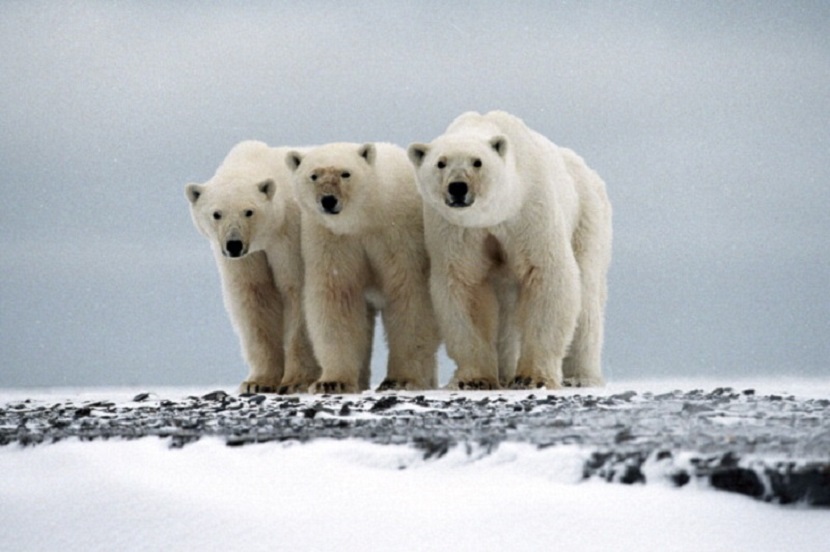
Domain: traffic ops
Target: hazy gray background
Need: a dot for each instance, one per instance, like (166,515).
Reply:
(710,123)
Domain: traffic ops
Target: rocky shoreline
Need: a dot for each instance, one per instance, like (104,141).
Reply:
(771,447)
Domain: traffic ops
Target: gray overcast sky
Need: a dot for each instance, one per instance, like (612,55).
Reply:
(707,120)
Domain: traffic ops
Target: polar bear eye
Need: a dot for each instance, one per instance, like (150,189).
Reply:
(249,213)
(217,215)
(314,178)
(345,174)
(477,163)
(441,165)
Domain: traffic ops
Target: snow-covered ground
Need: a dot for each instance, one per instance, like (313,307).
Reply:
(355,495)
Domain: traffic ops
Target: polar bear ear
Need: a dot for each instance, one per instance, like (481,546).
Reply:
(267,187)
(193,191)
(417,153)
(368,152)
(499,145)
(293,160)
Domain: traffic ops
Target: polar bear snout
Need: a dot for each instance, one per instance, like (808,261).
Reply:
(458,194)
(234,245)
(330,204)
(234,248)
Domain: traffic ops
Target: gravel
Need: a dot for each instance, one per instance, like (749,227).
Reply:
(773,448)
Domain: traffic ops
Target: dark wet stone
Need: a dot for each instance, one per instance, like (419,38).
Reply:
(680,478)
(215,396)
(738,480)
(384,403)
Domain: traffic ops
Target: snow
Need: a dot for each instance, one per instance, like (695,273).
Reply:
(354,495)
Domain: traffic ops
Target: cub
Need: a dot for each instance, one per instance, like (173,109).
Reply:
(363,249)
(248,212)
(518,232)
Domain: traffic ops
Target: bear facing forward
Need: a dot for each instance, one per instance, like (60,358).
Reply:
(363,249)
(518,232)
(247,211)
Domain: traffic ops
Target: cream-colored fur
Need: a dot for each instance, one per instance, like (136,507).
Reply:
(363,248)
(248,212)
(519,236)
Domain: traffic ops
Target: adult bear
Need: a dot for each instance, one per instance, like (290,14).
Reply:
(363,251)
(518,231)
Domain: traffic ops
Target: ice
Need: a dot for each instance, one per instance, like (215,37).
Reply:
(355,495)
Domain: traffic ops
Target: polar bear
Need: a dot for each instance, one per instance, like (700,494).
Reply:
(363,249)
(519,236)
(248,212)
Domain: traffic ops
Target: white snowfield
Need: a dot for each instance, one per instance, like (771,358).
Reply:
(354,495)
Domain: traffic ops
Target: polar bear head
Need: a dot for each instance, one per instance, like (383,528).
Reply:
(467,178)
(236,209)
(335,182)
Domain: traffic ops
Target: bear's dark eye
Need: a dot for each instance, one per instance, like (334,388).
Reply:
(249,213)
(477,163)
(345,174)
(217,215)
(314,178)
(441,165)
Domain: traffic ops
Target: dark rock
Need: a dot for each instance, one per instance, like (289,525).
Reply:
(384,403)
(215,396)
(738,480)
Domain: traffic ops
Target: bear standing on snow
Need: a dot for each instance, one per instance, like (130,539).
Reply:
(363,248)
(248,212)
(519,236)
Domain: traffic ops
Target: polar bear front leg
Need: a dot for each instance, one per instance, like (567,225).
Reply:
(301,368)
(338,317)
(256,309)
(549,303)
(468,317)
(412,335)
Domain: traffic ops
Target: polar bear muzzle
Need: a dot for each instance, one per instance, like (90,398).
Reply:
(234,248)
(330,204)
(458,194)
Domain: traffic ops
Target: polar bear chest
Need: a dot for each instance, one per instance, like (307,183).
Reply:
(374,297)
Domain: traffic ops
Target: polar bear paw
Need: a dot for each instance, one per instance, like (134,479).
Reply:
(475,384)
(527,382)
(583,382)
(294,387)
(332,387)
(390,384)
(252,386)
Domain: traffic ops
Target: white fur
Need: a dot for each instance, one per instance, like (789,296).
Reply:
(363,248)
(520,259)
(247,211)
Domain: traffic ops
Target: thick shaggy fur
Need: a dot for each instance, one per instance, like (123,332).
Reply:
(519,235)
(248,212)
(363,248)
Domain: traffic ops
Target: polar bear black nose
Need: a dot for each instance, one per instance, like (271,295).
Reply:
(458,192)
(234,248)
(329,204)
